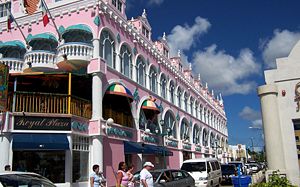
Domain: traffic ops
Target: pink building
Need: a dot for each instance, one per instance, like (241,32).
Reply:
(96,89)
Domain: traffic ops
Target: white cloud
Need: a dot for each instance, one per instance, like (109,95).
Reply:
(253,116)
(184,37)
(280,45)
(225,73)
(156,2)
(249,114)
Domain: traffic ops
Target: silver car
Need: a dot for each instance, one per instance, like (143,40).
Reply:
(169,178)
(23,179)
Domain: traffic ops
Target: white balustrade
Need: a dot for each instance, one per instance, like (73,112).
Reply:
(40,58)
(15,65)
(76,51)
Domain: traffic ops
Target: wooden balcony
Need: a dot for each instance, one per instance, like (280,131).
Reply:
(33,102)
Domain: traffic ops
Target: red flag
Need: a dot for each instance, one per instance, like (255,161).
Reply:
(10,19)
(45,15)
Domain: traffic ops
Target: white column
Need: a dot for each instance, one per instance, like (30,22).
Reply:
(97,96)
(5,149)
(69,163)
(97,151)
(134,74)
(118,62)
(96,44)
(271,125)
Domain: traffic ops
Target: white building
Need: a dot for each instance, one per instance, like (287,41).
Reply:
(280,114)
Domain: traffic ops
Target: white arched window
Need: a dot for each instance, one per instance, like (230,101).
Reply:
(196,110)
(184,131)
(163,86)
(201,112)
(196,135)
(171,123)
(153,80)
(141,73)
(212,140)
(125,59)
(107,48)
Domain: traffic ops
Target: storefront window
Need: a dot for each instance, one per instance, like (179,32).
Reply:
(80,158)
(50,164)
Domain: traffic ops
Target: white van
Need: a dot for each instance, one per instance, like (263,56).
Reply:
(205,171)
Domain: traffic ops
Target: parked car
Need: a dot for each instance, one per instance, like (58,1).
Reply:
(23,179)
(248,169)
(228,170)
(205,171)
(241,165)
(168,178)
(255,167)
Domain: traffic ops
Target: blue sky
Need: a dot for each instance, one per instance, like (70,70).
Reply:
(230,43)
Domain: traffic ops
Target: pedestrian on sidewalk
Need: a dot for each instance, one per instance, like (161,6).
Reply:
(97,179)
(146,179)
(130,176)
(122,177)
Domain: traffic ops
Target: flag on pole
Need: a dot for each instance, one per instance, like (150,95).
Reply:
(10,20)
(45,14)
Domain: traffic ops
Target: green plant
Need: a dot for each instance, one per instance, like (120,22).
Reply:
(275,181)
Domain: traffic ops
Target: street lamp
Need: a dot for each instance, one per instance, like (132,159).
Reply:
(165,132)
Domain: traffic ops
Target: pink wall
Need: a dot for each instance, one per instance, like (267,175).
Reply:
(113,153)
(174,161)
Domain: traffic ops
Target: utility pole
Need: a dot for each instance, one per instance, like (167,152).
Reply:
(252,147)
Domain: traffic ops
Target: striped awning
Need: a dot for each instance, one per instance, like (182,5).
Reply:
(149,104)
(119,89)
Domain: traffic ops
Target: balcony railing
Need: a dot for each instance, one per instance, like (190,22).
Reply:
(75,51)
(15,64)
(38,58)
(50,103)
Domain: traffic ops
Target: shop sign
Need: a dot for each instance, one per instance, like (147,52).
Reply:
(42,123)
(3,86)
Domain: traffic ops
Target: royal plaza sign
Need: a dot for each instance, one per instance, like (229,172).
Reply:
(42,123)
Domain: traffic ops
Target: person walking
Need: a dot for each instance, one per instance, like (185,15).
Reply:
(97,179)
(146,179)
(130,176)
(122,177)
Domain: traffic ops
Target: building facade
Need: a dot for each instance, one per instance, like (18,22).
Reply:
(93,88)
(280,113)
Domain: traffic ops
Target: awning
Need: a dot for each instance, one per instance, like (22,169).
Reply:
(42,36)
(78,27)
(7,46)
(136,148)
(157,150)
(133,147)
(24,141)
(119,89)
(150,105)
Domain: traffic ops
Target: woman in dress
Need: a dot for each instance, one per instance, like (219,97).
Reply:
(122,177)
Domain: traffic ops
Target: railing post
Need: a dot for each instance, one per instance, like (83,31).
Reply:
(69,93)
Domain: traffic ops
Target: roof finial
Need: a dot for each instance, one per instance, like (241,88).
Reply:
(199,77)
(221,99)
(164,36)
(179,53)
(144,15)
(206,85)
(212,93)
(132,19)
(190,66)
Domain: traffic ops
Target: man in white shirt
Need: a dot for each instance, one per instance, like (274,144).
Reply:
(146,179)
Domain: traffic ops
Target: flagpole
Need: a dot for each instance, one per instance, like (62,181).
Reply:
(46,7)
(18,27)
